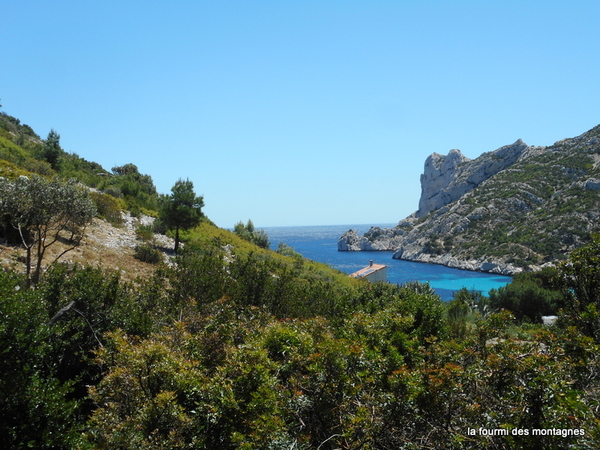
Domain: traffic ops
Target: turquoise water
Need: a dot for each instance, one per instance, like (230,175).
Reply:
(319,243)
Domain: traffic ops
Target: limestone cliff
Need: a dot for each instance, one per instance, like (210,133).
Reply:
(512,209)
(447,178)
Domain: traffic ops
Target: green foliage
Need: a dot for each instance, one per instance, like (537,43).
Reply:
(529,295)
(145,232)
(458,311)
(45,212)
(36,407)
(250,234)
(52,150)
(580,280)
(147,253)
(284,249)
(10,170)
(182,209)
(11,152)
(199,277)
(108,208)
(89,173)
(137,190)
(191,359)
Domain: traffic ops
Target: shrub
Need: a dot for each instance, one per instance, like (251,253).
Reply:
(147,253)
(527,296)
(580,282)
(145,232)
(250,234)
(108,207)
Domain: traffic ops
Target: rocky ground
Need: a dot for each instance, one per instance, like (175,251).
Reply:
(104,245)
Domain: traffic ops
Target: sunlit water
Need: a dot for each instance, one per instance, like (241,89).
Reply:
(319,243)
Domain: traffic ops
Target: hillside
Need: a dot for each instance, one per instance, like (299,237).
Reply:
(515,208)
(104,245)
(126,202)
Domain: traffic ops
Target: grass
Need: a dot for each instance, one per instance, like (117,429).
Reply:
(207,234)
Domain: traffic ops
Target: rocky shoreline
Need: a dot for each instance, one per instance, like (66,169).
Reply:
(388,240)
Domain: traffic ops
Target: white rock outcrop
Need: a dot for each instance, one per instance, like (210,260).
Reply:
(447,178)
(376,239)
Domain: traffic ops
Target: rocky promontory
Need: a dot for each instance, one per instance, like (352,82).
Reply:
(512,209)
(447,178)
(376,239)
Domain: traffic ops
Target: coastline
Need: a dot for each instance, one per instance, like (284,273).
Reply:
(447,260)
(395,240)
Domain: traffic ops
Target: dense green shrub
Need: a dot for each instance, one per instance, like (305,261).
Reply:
(206,355)
(147,253)
(580,283)
(37,408)
(251,234)
(189,358)
(108,207)
(137,190)
(200,276)
(529,295)
(145,232)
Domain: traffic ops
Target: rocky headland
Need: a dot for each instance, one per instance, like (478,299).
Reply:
(512,209)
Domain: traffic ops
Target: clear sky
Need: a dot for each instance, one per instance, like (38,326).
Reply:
(299,113)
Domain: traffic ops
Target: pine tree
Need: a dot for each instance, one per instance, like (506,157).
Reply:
(52,149)
(182,209)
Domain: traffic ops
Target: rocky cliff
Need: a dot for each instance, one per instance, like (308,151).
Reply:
(447,178)
(512,209)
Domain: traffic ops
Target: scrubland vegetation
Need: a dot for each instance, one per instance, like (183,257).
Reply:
(233,346)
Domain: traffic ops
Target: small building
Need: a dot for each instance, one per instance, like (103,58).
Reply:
(373,272)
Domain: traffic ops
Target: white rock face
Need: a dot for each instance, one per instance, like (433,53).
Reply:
(415,253)
(448,178)
(376,239)
(349,242)
(437,177)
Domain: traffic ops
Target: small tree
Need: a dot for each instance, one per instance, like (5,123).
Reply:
(44,212)
(182,209)
(249,233)
(126,169)
(52,150)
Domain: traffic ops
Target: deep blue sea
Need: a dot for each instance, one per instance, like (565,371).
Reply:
(319,243)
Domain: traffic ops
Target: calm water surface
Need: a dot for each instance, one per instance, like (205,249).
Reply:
(319,243)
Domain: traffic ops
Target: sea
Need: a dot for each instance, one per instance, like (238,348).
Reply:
(319,243)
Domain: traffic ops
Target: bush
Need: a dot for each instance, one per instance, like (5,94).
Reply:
(147,253)
(580,283)
(527,296)
(145,232)
(108,207)
(250,234)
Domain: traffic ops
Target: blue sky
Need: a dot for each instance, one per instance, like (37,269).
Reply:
(299,113)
